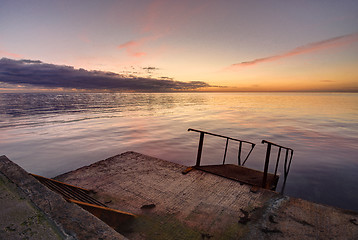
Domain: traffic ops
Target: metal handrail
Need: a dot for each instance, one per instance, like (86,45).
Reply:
(264,141)
(267,160)
(201,142)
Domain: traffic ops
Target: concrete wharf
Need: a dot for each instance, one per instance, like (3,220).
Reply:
(167,205)
(200,205)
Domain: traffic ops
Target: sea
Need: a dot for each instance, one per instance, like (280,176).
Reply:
(52,133)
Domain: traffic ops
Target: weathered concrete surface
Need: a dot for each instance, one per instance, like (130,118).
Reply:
(20,219)
(200,205)
(29,210)
(292,218)
(186,206)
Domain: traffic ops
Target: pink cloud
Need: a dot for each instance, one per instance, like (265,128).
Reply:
(9,54)
(131,47)
(84,38)
(128,44)
(312,47)
(176,14)
(152,13)
(139,54)
(159,19)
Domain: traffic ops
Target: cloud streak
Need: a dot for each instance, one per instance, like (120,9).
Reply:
(152,27)
(312,47)
(131,48)
(9,54)
(39,74)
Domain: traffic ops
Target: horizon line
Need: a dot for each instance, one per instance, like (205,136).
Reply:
(188,91)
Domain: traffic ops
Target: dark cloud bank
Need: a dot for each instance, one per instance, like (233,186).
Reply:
(39,74)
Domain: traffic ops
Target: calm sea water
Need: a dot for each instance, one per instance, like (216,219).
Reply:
(49,134)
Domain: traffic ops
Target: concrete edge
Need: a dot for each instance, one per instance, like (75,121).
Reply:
(72,220)
(114,158)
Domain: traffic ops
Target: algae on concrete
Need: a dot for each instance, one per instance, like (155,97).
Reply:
(45,211)
(19,218)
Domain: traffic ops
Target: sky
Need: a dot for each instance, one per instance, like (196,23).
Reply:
(231,45)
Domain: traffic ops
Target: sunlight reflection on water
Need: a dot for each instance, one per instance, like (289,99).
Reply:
(49,134)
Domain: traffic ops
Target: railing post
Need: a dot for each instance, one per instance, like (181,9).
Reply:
(227,142)
(200,149)
(278,159)
(267,160)
(247,156)
(285,166)
(286,171)
(239,154)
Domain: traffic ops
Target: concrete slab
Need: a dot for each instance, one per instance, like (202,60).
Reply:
(241,174)
(201,205)
(20,219)
(292,218)
(186,206)
(29,210)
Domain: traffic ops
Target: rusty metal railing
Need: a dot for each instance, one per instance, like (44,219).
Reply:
(201,142)
(287,163)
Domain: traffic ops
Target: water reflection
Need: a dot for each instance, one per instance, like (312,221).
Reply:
(49,134)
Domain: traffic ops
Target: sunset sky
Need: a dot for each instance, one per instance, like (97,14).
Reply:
(231,45)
